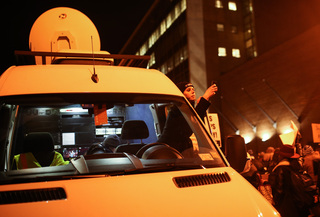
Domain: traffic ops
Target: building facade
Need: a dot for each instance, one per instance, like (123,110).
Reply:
(177,34)
(258,54)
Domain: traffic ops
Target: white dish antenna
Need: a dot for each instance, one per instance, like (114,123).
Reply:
(63,28)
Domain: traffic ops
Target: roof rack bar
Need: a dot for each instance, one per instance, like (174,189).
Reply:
(125,60)
(65,54)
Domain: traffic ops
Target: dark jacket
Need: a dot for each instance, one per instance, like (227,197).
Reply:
(176,131)
(282,190)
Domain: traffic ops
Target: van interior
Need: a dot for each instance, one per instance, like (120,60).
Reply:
(77,126)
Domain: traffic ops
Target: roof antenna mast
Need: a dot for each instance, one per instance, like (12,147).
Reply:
(94,76)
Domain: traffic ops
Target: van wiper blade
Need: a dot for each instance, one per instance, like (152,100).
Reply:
(164,167)
(134,160)
(80,165)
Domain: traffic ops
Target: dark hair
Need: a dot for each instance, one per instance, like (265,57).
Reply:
(96,149)
(111,141)
(295,165)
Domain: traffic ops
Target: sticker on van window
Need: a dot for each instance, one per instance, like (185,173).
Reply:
(205,156)
(100,114)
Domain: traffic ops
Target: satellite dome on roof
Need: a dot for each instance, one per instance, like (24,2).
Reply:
(63,28)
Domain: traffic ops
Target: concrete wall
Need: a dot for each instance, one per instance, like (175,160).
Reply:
(292,74)
(278,21)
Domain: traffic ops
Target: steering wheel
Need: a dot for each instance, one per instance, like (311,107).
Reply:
(145,147)
(161,151)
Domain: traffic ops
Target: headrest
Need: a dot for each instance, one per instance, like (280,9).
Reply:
(38,142)
(134,129)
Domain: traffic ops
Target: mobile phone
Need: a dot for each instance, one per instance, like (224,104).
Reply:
(213,82)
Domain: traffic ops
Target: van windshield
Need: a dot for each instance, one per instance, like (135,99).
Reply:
(58,136)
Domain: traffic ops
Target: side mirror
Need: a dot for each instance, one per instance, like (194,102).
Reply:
(236,152)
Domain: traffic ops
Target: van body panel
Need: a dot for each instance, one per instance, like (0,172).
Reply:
(47,79)
(140,194)
(153,194)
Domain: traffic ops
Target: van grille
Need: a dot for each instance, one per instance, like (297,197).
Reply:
(202,179)
(35,195)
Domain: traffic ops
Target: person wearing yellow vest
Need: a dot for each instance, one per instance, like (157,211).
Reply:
(38,151)
(27,160)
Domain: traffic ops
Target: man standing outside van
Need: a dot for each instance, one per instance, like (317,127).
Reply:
(176,131)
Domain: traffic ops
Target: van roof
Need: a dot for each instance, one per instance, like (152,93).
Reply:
(49,79)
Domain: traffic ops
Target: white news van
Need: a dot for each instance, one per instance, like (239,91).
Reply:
(68,103)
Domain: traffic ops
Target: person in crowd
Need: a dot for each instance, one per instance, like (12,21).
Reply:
(267,157)
(281,184)
(259,165)
(260,155)
(111,142)
(275,160)
(176,131)
(309,157)
(250,152)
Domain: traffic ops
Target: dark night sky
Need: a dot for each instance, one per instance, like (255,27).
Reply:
(115,21)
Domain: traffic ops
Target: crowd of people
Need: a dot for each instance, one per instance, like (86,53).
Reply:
(277,164)
(266,161)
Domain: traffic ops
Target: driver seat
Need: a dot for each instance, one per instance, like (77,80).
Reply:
(133,130)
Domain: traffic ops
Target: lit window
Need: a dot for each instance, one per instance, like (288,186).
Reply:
(170,64)
(152,59)
(153,38)
(180,56)
(219,4)
(162,27)
(143,49)
(232,6)
(185,53)
(165,24)
(220,27)
(183,5)
(249,43)
(250,7)
(222,52)
(169,21)
(163,68)
(176,59)
(177,10)
(236,53)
